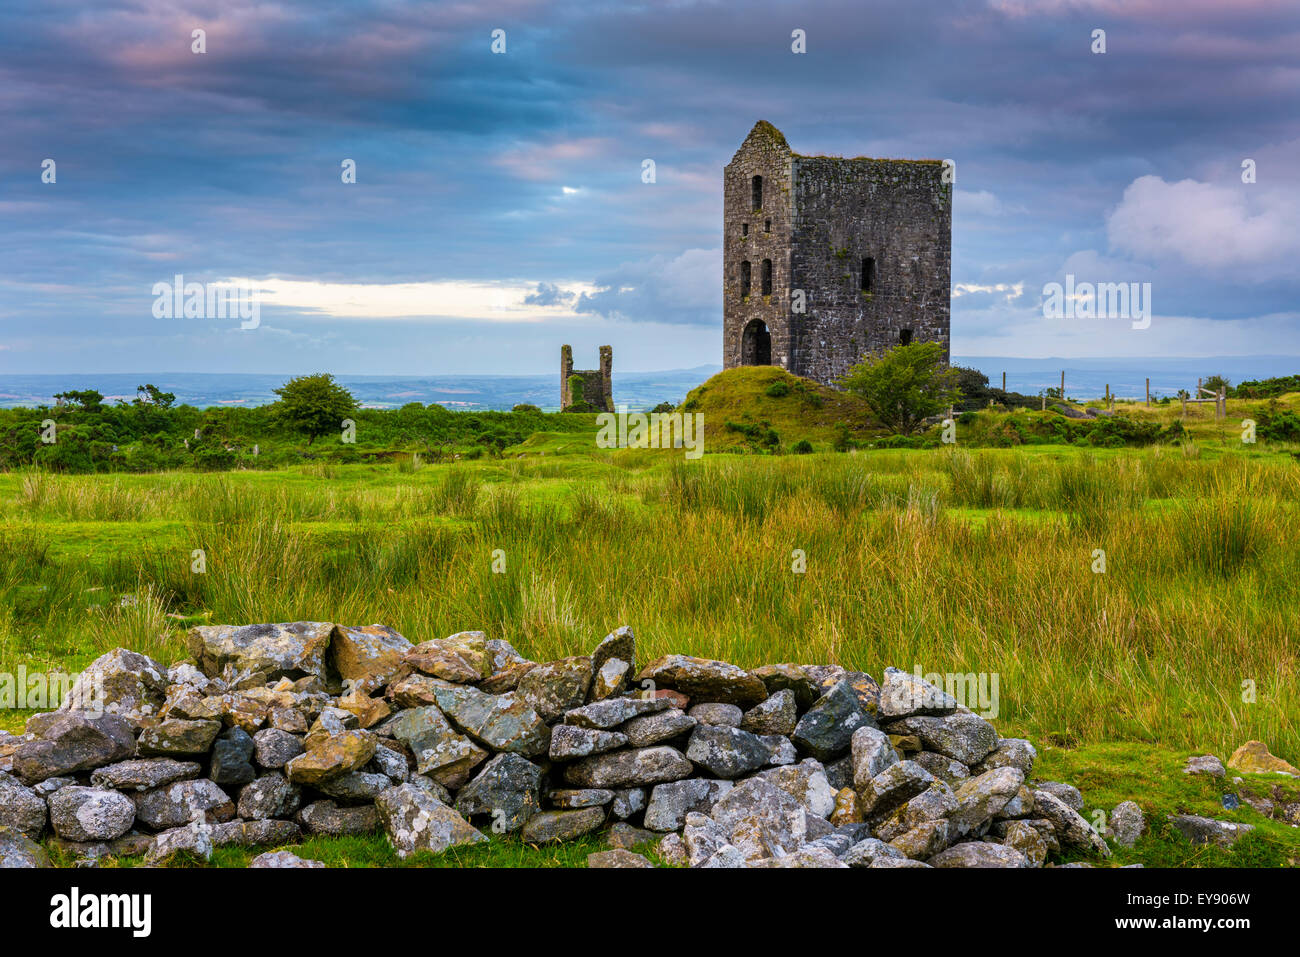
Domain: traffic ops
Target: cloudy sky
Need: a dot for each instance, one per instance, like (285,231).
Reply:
(499,208)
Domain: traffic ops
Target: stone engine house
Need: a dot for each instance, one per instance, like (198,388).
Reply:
(827,260)
(593,386)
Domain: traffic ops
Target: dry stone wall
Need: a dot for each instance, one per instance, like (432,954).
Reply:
(270,733)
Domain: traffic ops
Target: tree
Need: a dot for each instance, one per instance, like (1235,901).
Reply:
(152,395)
(314,404)
(86,399)
(905,386)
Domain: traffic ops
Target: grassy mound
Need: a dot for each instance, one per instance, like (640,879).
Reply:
(764,408)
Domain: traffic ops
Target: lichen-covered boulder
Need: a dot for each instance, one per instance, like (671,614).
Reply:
(119,682)
(704,680)
(555,687)
(179,737)
(979,854)
(569,742)
(415,820)
(369,654)
(459,658)
(144,774)
(283,859)
(963,735)
(269,796)
(671,802)
(331,757)
(90,814)
(18,850)
(240,653)
(180,803)
(502,722)
(562,825)
(654,728)
(726,752)
(70,743)
(1253,757)
(778,714)
(440,751)
(826,729)
(21,808)
(617,769)
(1072,830)
(507,791)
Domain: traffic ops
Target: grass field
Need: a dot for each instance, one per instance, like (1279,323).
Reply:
(953,560)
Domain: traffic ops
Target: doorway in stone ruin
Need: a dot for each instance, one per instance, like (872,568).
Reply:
(756,344)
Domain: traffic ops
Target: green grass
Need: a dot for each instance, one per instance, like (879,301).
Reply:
(374,851)
(956,561)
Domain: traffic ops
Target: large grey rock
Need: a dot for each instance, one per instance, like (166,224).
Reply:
(618,769)
(1010,753)
(555,687)
(726,752)
(942,767)
(502,722)
(980,798)
(1067,794)
(871,753)
(562,825)
(507,791)
(760,820)
(793,678)
(178,737)
(282,859)
(1126,823)
(269,796)
(415,820)
(827,727)
(273,748)
(21,808)
(922,841)
(935,803)
(893,786)
(864,852)
(1205,764)
(18,850)
(620,644)
(806,783)
(328,819)
(144,774)
(570,742)
(778,714)
(1204,830)
(653,728)
(70,743)
(231,763)
(670,803)
(705,680)
(119,682)
(1026,839)
(357,787)
(1073,832)
(368,654)
(240,653)
(612,712)
(440,751)
(90,814)
(267,831)
(903,695)
(962,735)
(462,657)
(717,713)
(177,804)
(979,854)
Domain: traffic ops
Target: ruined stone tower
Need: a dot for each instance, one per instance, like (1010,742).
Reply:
(826,260)
(594,387)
